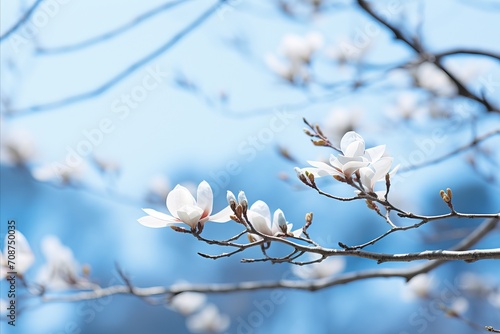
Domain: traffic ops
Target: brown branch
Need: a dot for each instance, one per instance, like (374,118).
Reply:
(406,273)
(415,46)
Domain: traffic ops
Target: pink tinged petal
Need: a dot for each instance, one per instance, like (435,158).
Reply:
(190,215)
(161,215)
(375,153)
(150,221)
(222,216)
(205,198)
(259,222)
(262,209)
(178,198)
(350,138)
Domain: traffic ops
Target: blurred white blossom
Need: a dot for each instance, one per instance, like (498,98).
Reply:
(419,286)
(296,55)
(23,258)
(406,107)
(208,320)
(61,271)
(326,268)
(188,302)
(184,208)
(59,173)
(341,120)
(346,50)
(17,147)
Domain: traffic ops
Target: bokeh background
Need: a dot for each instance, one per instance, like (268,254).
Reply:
(210,117)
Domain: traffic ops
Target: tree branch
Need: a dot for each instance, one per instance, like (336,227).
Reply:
(23,19)
(125,73)
(110,34)
(406,273)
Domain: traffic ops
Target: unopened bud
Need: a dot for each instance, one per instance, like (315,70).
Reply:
(231,200)
(319,142)
(310,176)
(445,196)
(307,132)
(318,130)
(371,205)
(309,217)
(242,199)
(239,210)
(86,270)
(251,238)
(449,193)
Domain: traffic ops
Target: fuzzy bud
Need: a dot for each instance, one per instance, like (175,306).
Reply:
(242,199)
(445,196)
(231,200)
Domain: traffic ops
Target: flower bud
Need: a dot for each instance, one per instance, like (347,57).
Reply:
(445,196)
(242,199)
(231,200)
(449,193)
(281,220)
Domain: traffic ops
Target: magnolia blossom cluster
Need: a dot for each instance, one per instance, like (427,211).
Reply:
(297,52)
(59,272)
(185,209)
(369,166)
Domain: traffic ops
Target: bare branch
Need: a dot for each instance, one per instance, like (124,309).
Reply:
(406,273)
(125,73)
(111,34)
(23,19)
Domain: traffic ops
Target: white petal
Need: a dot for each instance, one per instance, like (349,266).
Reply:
(160,215)
(279,222)
(150,221)
(205,198)
(179,197)
(259,222)
(261,208)
(323,168)
(355,149)
(353,166)
(375,153)
(190,215)
(349,138)
(381,168)
(221,216)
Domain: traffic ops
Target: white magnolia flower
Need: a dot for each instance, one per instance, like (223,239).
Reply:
(260,218)
(376,172)
(17,148)
(419,286)
(185,209)
(188,302)
(23,259)
(61,270)
(326,268)
(353,157)
(300,49)
(460,305)
(406,107)
(208,320)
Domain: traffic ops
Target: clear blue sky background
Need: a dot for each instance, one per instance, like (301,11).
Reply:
(177,134)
